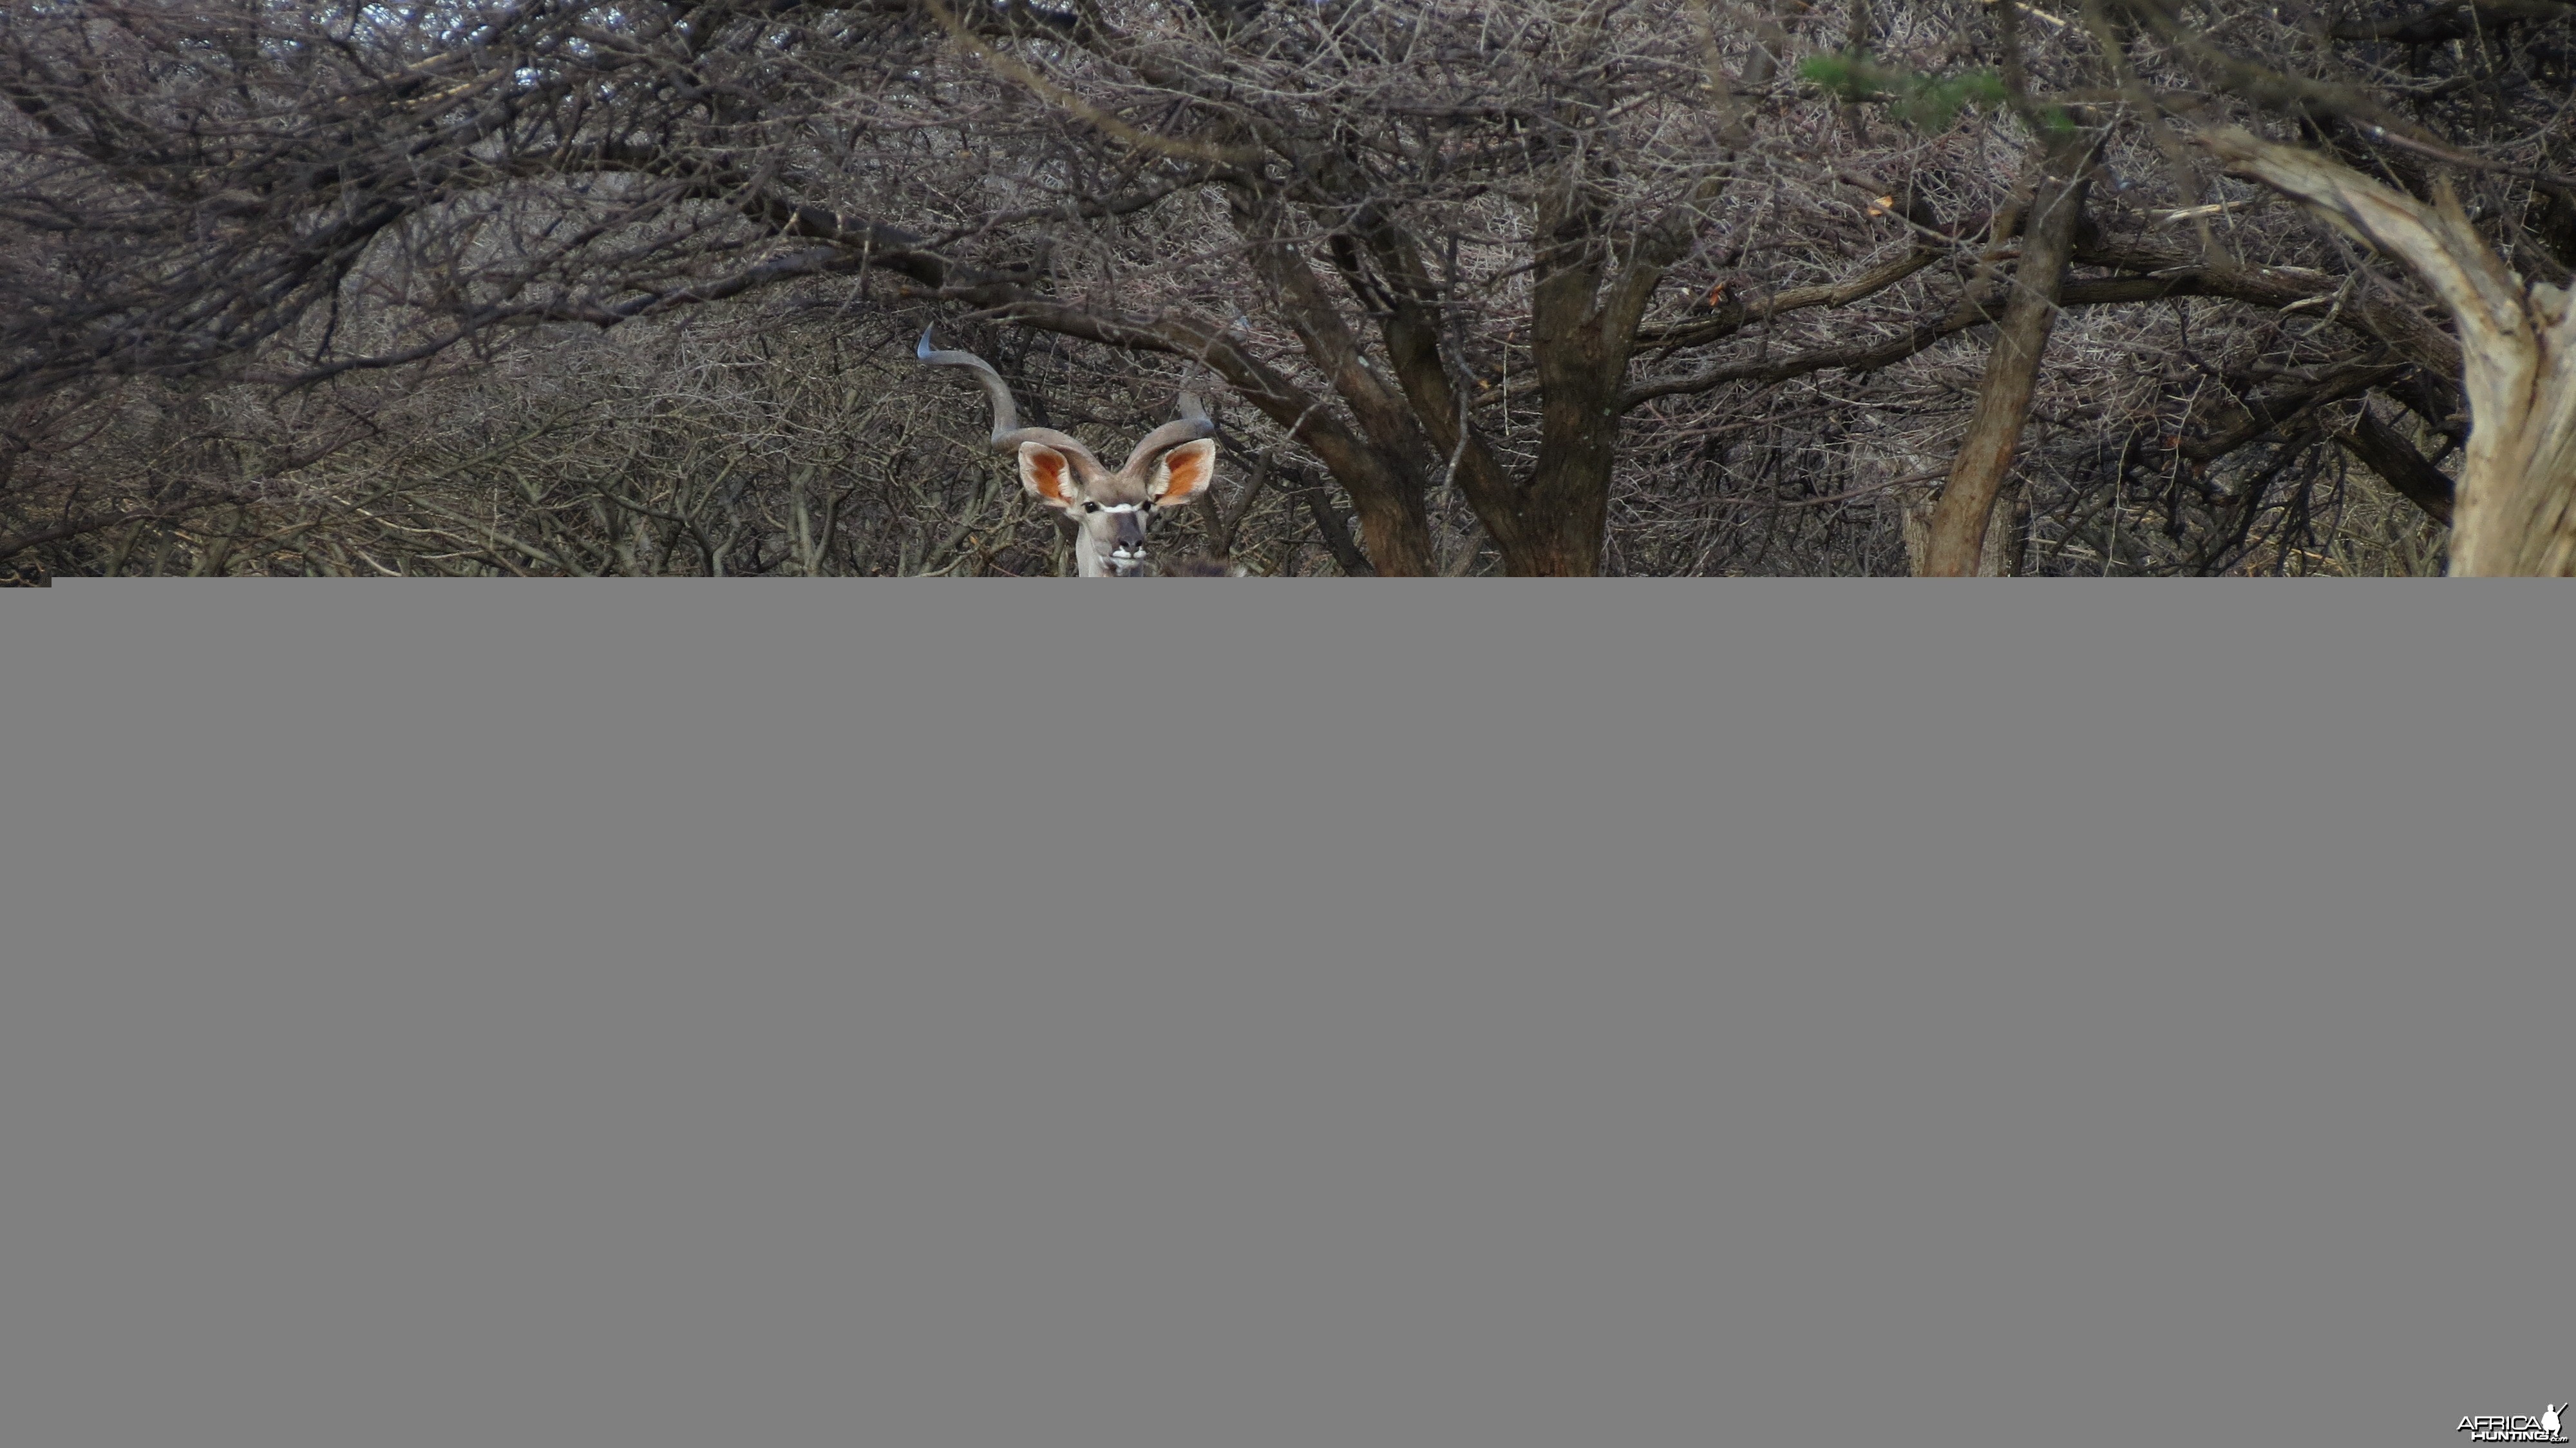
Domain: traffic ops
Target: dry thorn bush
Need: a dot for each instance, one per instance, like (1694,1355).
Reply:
(1536,286)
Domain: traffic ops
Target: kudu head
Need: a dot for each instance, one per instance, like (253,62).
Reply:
(1173,465)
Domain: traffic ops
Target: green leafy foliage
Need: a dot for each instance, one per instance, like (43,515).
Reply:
(1920,99)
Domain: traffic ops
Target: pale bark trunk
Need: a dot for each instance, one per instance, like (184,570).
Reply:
(2514,511)
(1914,522)
(2001,554)
(2007,530)
(1961,521)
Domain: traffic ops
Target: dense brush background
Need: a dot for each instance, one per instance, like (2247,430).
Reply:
(540,289)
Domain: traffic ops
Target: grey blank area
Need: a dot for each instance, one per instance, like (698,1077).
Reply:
(1642,1014)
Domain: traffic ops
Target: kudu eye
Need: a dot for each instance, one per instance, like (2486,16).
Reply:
(1091,507)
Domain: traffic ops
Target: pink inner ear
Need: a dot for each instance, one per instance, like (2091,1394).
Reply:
(1188,467)
(1044,468)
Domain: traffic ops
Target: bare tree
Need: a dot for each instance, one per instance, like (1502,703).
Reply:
(1539,287)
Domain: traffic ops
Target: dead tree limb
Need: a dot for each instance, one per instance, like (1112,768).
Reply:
(2515,512)
(2383,451)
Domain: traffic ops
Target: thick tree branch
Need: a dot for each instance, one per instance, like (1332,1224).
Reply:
(2191,274)
(2277,415)
(2383,451)
(2516,509)
(1734,315)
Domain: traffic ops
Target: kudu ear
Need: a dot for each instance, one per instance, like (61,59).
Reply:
(1049,476)
(1184,472)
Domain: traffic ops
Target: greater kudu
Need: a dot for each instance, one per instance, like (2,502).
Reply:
(1173,465)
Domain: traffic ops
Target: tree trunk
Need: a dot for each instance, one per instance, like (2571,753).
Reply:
(2514,510)
(2001,557)
(1565,507)
(1579,345)
(1962,519)
(1382,467)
